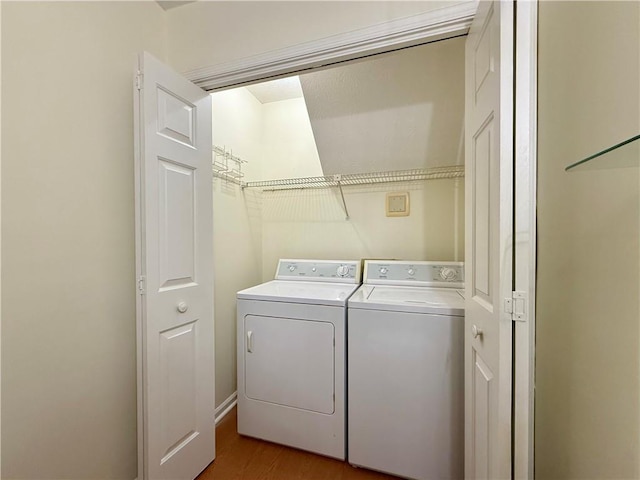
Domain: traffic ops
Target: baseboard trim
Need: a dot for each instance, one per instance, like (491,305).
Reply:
(225,407)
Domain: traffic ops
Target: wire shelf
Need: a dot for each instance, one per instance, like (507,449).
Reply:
(227,166)
(328,181)
(227,177)
(227,154)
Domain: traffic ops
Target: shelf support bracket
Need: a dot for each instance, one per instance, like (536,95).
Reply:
(338,179)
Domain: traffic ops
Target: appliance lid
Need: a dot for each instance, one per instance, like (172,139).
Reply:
(313,293)
(438,301)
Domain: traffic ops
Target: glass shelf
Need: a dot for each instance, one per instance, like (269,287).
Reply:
(623,154)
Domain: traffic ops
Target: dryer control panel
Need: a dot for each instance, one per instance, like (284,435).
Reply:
(427,274)
(343,271)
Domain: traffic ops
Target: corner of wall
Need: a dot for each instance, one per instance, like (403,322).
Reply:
(0,238)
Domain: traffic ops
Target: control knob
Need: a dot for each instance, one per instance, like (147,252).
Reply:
(448,274)
(384,270)
(343,270)
(292,268)
(411,271)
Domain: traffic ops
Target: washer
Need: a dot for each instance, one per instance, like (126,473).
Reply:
(406,370)
(291,355)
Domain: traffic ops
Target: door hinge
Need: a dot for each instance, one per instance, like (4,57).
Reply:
(142,285)
(139,80)
(516,306)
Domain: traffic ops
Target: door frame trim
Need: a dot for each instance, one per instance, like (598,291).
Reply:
(138,143)
(440,24)
(525,204)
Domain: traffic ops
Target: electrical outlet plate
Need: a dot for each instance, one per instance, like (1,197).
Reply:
(397,204)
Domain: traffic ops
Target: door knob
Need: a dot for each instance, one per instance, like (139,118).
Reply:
(183,307)
(476,332)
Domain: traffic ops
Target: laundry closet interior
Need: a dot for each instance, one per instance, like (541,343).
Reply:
(303,165)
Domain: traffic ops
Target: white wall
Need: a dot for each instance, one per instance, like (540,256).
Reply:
(276,140)
(587,404)
(0,242)
(289,149)
(397,111)
(207,33)
(237,124)
(68,269)
(311,224)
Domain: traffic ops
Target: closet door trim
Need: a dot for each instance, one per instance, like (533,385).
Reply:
(440,24)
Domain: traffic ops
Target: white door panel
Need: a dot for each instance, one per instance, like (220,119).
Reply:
(489,207)
(178,389)
(175,267)
(481,152)
(481,392)
(176,117)
(290,362)
(177,232)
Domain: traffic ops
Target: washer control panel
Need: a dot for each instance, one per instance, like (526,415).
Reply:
(432,274)
(344,271)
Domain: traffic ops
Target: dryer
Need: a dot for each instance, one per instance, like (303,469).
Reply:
(291,355)
(406,370)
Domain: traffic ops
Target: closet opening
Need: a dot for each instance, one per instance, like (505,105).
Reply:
(294,157)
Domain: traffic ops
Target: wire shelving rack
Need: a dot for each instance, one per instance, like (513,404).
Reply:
(339,180)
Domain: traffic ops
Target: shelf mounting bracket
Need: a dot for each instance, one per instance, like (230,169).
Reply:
(338,178)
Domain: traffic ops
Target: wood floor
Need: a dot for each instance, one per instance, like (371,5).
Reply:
(244,458)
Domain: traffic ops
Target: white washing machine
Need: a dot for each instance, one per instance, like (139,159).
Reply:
(291,355)
(406,370)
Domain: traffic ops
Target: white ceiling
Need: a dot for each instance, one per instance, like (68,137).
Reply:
(397,111)
(277,90)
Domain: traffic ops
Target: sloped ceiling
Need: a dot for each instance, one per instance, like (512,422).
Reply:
(276,90)
(397,111)
(168,4)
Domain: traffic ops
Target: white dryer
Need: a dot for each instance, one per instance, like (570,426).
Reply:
(406,370)
(291,355)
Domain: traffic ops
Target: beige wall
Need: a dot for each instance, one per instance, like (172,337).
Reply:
(289,149)
(207,33)
(587,422)
(237,124)
(68,276)
(237,259)
(0,238)
(68,345)
(397,111)
(274,138)
(311,224)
